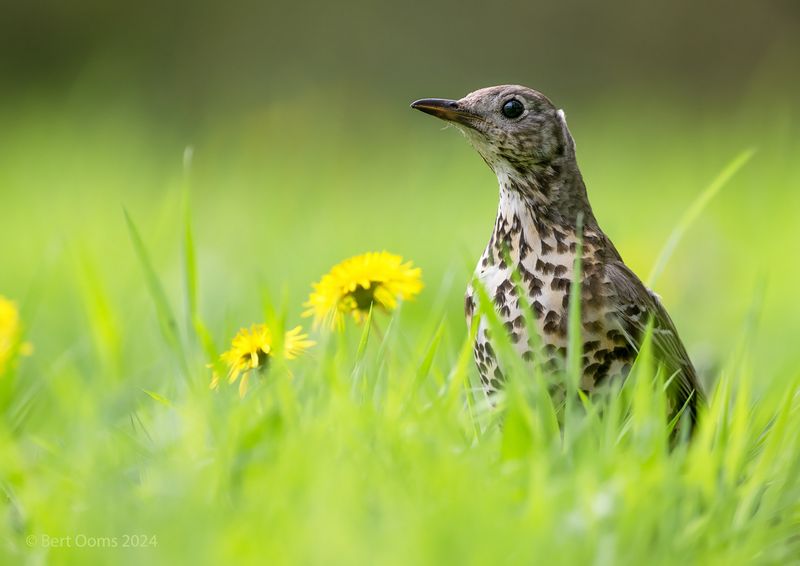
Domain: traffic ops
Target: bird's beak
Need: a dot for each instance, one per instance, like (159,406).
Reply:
(449,110)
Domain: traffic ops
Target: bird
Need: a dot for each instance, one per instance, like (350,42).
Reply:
(542,215)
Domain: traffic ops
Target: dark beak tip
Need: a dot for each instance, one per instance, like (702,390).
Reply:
(443,103)
(421,103)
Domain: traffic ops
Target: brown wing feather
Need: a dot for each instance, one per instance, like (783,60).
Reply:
(633,305)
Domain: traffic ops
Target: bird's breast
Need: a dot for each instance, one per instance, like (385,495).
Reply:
(545,268)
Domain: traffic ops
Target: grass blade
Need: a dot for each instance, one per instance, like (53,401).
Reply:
(189,257)
(694,211)
(169,327)
(575,344)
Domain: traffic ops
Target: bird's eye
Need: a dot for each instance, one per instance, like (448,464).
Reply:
(513,108)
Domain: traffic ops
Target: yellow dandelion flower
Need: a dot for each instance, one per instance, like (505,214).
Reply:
(252,349)
(353,286)
(295,343)
(11,344)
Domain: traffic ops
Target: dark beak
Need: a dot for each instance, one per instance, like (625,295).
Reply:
(446,110)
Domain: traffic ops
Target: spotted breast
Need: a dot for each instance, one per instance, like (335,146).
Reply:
(544,256)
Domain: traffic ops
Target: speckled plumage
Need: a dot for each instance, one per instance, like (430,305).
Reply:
(542,195)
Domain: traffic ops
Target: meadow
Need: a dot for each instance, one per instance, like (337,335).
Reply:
(135,252)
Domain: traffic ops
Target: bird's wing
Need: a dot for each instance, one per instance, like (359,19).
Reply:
(633,304)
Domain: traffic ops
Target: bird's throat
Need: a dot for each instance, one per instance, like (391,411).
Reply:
(515,226)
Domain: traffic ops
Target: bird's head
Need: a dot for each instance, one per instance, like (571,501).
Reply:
(517,130)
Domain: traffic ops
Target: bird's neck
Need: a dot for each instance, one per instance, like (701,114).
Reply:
(539,211)
(552,194)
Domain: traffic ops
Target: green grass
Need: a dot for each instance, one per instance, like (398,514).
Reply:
(133,271)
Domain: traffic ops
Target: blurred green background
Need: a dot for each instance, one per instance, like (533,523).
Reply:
(290,124)
(305,150)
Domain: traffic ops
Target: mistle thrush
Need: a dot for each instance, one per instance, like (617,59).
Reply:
(524,138)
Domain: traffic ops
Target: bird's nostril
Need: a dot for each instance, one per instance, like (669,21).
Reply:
(453,105)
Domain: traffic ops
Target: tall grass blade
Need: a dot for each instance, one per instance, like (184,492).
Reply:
(103,323)
(575,344)
(169,327)
(694,211)
(189,257)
